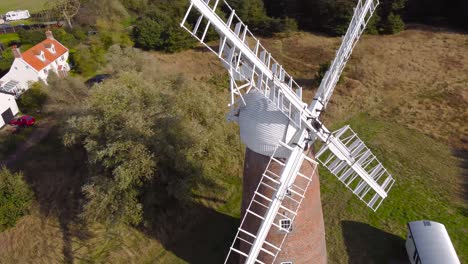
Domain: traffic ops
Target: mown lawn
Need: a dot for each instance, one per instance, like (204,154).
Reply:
(7,38)
(427,188)
(31,5)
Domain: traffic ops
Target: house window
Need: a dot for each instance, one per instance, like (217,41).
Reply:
(61,58)
(16,68)
(288,192)
(285,224)
(27,67)
(45,71)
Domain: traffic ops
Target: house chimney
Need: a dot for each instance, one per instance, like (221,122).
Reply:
(49,34)
(16,51)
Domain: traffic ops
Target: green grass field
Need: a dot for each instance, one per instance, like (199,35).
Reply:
(427,188)
(31,5)
(6,38)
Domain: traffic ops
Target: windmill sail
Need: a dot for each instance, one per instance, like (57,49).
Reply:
(362,14)
(250,65)
(353,163)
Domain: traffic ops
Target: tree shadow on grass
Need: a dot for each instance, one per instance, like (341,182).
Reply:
(56,175)
(462,154)
(193,232)
(367,244)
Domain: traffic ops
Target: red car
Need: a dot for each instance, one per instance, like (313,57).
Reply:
(23,121)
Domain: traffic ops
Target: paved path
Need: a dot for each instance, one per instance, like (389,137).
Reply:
(42,130)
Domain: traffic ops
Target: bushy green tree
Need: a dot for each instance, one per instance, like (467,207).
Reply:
(114,129)
(253,13)
(394,24)
(33,99)
(15,198)
(6,60)
(142,128)
(323,68)
(147,33)
(31,36)
(159,31)
(88,58)
(65,95)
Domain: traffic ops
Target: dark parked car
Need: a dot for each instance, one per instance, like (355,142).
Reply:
(97,79)
(25,120)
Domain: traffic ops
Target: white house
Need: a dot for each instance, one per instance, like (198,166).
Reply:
(8,107)
(35,64)
(17,15)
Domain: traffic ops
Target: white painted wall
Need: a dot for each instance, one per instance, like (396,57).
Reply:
(7,101)
(23,73)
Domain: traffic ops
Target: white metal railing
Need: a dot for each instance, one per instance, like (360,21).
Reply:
(362,14)
(361,171)
(246,58)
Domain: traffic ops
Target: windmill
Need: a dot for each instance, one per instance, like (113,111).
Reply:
(278,127)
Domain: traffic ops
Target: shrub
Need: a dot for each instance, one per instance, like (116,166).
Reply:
(87,59)
(33,99)
(394,24)
(158,31)
(323,68)
(31,37)
(15,198)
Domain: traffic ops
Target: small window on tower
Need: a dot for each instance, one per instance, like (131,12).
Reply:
(285,224)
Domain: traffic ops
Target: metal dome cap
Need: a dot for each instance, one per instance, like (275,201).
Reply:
(262,125)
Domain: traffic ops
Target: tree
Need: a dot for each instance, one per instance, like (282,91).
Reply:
(6,60)
(31,37)
(33,99)
(158,31)
(394,24)
(65,96)
(253,13)
(143,128)
(147,34)
(114,128)
(88,58)
(15,198)
(65,9)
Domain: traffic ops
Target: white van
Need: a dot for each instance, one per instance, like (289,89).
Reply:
(429,243)
(17,15)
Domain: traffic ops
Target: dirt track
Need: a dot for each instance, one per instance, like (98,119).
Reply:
(43,128)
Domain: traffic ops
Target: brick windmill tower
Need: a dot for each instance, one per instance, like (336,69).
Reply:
(282,219)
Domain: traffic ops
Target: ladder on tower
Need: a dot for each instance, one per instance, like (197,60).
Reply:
(282,223)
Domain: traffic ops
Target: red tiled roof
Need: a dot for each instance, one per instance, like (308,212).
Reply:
(30,57)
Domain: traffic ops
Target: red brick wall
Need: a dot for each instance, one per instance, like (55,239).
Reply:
(306,242)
